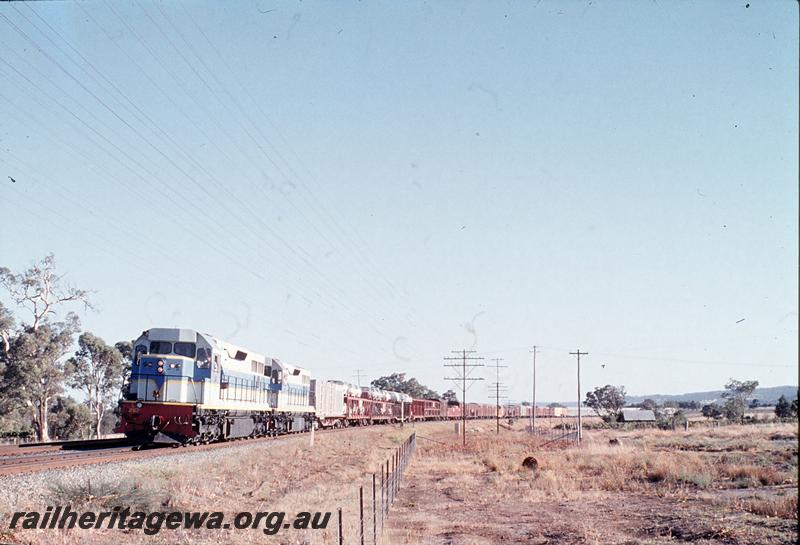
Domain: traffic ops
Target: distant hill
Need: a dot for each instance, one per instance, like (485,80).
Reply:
(767,396)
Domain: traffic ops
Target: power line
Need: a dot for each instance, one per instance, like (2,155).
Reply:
(142,114)
(132,187)
(317,206)
(533,403)
(148,179)
(497,387)
(463,376)
(358,374)
(639,357)
(578,353)
(139,134)
(299,253)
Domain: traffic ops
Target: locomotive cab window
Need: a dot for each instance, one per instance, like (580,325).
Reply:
(185,349)
(140,349)
(160,347)
(203,358)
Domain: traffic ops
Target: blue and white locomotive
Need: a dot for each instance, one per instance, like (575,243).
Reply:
(188,387)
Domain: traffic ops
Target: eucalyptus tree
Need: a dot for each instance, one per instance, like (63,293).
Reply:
(96,370)
(41,291)
(125,348)
(35,370)
(32,353)
(606,401)
(735,395)
(6,330)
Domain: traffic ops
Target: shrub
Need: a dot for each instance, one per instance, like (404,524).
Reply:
(107,493)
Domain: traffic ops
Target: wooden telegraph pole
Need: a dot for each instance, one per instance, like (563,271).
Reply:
(497,387)
(580,425)
(533,407)
(462,371)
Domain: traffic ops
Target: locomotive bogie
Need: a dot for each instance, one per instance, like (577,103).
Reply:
(187,424)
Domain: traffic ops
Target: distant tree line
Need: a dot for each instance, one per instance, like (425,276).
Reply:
(607,402)
(36,363)
(651,404)
(735,403)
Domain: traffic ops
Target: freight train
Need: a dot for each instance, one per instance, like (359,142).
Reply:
(188,387)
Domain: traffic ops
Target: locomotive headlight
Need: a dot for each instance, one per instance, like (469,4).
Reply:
(173,365)
(139,404)
(160,366)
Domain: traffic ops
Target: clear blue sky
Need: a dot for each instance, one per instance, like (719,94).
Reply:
(365,185)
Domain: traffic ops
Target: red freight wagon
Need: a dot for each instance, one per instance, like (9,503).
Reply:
(425,409)
(443,409)
(365,411)
(454,410)
(478,410)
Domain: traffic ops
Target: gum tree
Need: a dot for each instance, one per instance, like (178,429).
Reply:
(735,396)
(96,370)
(783,408)
(606,401)
(6,330)
(41,291)
(34,371)
(396,382)
(712,410)
(125,348)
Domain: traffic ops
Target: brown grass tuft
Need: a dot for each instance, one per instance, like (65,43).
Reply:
(784,507)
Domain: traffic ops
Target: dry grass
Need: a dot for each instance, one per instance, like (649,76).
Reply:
(782,506)
(106,494)
(286,475)
(729,485)
(654,485)
(633,466)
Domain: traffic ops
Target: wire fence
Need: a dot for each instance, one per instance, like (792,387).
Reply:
(375,501)
(567,432)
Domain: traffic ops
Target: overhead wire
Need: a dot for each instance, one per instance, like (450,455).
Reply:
(190,65)
(299,252)
(330,221)
(68,110)
(127,124)
(150,175)
(194,70)
(636,356)
(91,93)
(111,246)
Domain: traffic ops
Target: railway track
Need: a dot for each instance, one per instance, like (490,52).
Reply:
(42,457)
(34,457)
(40,461)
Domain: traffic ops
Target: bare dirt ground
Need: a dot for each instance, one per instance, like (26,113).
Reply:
(731,485)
